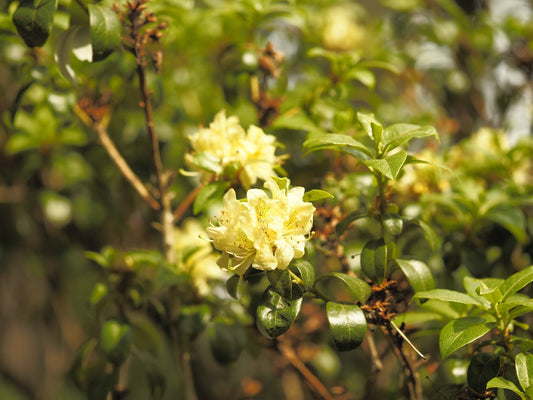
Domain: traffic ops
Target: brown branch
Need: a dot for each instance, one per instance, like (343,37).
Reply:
(117,158)
(187,201)
(287,351)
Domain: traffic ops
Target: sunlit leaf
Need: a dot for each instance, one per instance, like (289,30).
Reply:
(207,193)
(448,295)
(344,143)
(357,289)
(105,31)
(398,134)
(503,383)
(461,332)
(418,274)
(316,195)
(524,370)
(347,324)
(516,282)
(276,314)
(390,166)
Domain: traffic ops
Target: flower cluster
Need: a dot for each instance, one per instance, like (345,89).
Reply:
(196,256)
(265,232)
(226,149)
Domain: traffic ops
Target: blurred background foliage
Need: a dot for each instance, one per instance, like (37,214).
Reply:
(464,66)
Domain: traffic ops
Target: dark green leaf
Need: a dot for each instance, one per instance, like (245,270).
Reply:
(226,339)
(374,259)
(305,271)
(332,141)
(154,372)
(358,289)
(418,274)
(482,368)
(503,383)
(390,166)
(511,218)
(347,323)
(524,370)
(448,295)
(33,20)
(461,332)
(281,282)
(208,192)
(276,314)
(516,282)
(193,319)
(316,195)
(398,134)
(232,285)
(346,221)
(105,31)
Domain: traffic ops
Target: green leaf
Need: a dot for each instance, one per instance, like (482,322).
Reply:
(193,319)
(347,324)
(208,192)
(105,31)
(371,126)
(431,236)
(418,274)
(346,221)
(281,282)
(461,332)
(226,339)
(393,224)
(332,141)
(305,271)
(524,370)
(316,195)
(398,134)
(232,285)
(155,373)
(33,20)
(115,341)
(374,259)
(503,383)
(482,368)
(511,218)
(358,289)
(276,314)
(295,119)
(448,295)
(390,166)
(363,75)
(516,282)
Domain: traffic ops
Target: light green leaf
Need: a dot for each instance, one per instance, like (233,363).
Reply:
(524,370)
(461,332)
(371,126)
(33,20)
(347,323)
(363,75)
(208,192)
(295,119)
(511,218)
(105,31)
(393,224)
(503,383)
(316,195)
(390,166)
(431,236)
(358,289)
(332,141)
(276,314)
(418,274)
(63,51)
(374,259)
(448,295)
(398,134)
(516,282)
(346,221)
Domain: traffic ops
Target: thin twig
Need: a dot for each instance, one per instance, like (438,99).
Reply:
(404,337)
(314,383)
(186,203)
(117,158)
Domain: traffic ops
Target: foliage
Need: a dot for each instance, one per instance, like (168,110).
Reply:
(393,236)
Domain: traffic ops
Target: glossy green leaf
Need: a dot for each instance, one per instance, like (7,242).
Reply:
(524,370)
(207,193)
(448,295)
(398,134)
(332,141)
(461,332)
(305,271)
(347,324)
(516,282)
(374,259)
(232,285)
(115,341)
(276,314)
(503,383)
(226,339)
(346,221)
(105,31)
(33,20)
(371,126)
(358,289)
(281,282)
(482,368)
(418,274)
(393,224)
(316,195)
(390,166)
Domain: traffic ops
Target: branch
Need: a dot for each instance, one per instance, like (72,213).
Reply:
(117,158)
(287,351)
(187,201)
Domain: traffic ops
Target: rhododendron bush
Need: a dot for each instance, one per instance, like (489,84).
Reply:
(263,199)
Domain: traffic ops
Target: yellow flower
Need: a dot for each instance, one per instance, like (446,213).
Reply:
(226,148)
(265,232)
(196,256)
